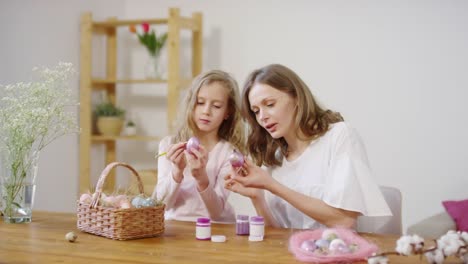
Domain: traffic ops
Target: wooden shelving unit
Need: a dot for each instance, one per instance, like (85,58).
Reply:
(175,24)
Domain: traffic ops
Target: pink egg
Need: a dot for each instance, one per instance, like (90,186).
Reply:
(85,198)
(309,245)
(124,204)
(236,159)
(192,143)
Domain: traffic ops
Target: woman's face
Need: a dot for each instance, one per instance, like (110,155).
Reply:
(211,107)
(273,109)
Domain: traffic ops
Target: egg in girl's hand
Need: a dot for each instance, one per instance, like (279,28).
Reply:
(236,159)
(192,143)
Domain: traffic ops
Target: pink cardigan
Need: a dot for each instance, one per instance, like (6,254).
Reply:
(183,201)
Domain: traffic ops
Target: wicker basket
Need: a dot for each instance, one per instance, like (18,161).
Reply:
(116,223)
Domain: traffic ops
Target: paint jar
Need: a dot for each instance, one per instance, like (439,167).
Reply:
(242,225)
(203,229)
(257,228)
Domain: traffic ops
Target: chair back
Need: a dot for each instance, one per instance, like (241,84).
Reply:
(384,224)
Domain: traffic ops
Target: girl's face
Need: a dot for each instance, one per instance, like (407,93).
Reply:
(273,109)
(211,107)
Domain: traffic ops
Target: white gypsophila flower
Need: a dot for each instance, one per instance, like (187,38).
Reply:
(464,258)
(464,236)
(435,257)
(378,260)
(450,243)
(32,115)
(407,245)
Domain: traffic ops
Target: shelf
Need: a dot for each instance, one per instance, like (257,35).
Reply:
(107,83)
(121,23)
(173,84)
(111,81)
(99,138)
(185,23)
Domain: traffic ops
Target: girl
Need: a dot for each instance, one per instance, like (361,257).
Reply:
(319,171)
(191,183)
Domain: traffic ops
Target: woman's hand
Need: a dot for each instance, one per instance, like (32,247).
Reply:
(196,161)
(251,175)
(175,154)
(233,186)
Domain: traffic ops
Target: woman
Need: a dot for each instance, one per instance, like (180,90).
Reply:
(317,173)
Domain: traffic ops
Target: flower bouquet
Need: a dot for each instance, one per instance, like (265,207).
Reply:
(153,44)
(32,115)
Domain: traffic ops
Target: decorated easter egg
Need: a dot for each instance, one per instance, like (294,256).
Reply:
(322,243)
(138,201)
(236,159)
(329,234)
(309,245)
(149,202)
(337,246)
(192,143)
(85,198)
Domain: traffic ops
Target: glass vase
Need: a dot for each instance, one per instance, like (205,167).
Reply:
(153,69)
(17,186)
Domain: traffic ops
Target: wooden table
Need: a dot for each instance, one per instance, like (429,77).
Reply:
(43,241)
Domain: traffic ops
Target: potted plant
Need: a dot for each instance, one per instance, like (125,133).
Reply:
(130,128)
(110,119)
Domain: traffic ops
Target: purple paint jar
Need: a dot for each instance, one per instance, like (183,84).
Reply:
(242,225)
(257,228)
(203,229)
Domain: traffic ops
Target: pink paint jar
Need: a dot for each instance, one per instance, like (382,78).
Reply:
(203,229)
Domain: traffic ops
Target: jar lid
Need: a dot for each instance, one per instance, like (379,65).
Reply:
(243,217)
(257,219)
(218,239)
(203,220)
(255,238)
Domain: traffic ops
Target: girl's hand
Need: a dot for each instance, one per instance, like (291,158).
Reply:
(175,154)
(251,175)
(232,185)
(196,161)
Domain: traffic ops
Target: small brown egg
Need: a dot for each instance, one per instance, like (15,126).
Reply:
(71,237)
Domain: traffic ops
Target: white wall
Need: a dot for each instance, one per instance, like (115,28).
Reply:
(42,33)
(395,69)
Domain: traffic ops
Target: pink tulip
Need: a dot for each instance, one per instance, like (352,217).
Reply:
(145,27)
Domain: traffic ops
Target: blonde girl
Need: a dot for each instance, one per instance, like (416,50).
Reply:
(191,183)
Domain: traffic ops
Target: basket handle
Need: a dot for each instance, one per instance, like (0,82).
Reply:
(103,176)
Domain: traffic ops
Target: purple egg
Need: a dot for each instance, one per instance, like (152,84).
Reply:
(322,243)
(236,159)
(192,143)
(308,245)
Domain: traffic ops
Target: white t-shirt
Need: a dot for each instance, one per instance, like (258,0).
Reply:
(333,168)
(183,201)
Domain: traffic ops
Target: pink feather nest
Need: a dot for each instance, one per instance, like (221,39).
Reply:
(363,248)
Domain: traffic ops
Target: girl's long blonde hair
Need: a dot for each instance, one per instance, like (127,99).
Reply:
(231,129)
(311,120)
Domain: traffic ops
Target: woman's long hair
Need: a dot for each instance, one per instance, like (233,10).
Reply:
(231,129)
(311,121)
